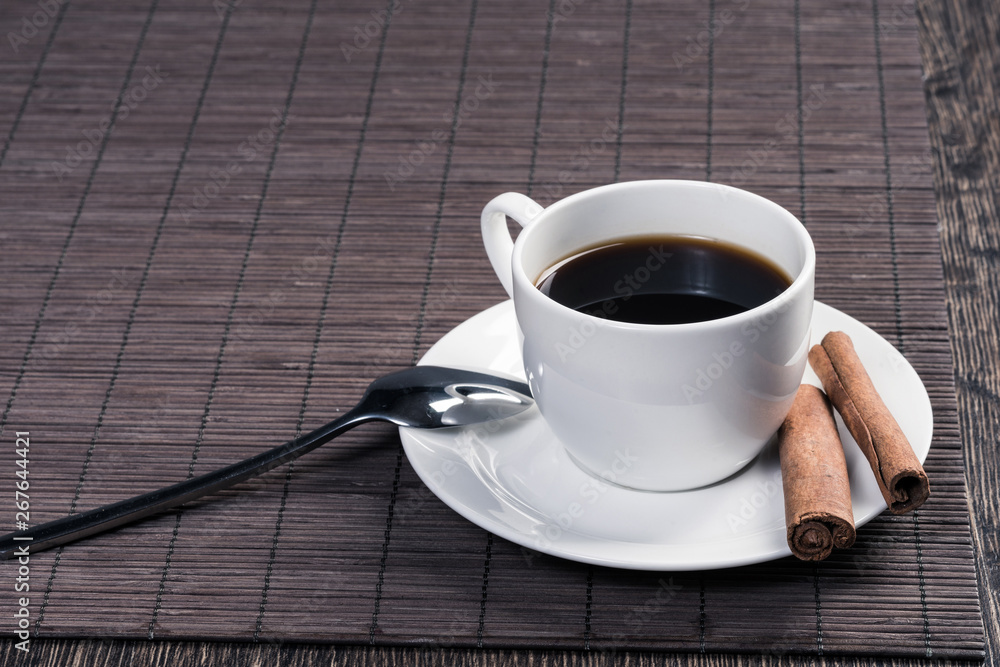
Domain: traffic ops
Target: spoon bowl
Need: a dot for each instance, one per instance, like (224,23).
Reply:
(436,397)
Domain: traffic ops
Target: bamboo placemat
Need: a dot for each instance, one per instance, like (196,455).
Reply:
(221,220)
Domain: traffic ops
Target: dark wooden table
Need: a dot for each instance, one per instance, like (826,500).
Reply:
(960,44)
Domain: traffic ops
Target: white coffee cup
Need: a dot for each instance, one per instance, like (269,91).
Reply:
(657,407)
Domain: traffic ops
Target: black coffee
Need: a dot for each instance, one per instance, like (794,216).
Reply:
(663,280)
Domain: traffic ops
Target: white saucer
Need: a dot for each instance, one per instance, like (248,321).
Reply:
(516,480)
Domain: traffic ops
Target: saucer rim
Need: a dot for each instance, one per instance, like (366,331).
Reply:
(728,556)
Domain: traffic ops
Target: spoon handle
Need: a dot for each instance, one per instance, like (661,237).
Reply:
(77,526)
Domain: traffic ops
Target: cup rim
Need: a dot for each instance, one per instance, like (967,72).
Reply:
(802,281)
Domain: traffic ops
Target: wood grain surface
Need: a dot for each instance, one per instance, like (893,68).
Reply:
(276,205)
(960,48)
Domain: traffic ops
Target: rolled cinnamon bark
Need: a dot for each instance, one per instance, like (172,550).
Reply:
(900,476)
(818,515)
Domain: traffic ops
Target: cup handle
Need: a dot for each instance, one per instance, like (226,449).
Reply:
(496,236)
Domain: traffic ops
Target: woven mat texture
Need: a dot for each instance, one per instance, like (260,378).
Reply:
(220,220)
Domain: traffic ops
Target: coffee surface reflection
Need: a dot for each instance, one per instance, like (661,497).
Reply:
(663,280)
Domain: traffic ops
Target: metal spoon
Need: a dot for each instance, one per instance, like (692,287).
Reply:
(418,397)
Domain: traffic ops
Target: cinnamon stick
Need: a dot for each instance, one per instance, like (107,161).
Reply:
(900,476)
(818,515)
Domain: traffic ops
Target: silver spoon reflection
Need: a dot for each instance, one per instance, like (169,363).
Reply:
(418,397)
